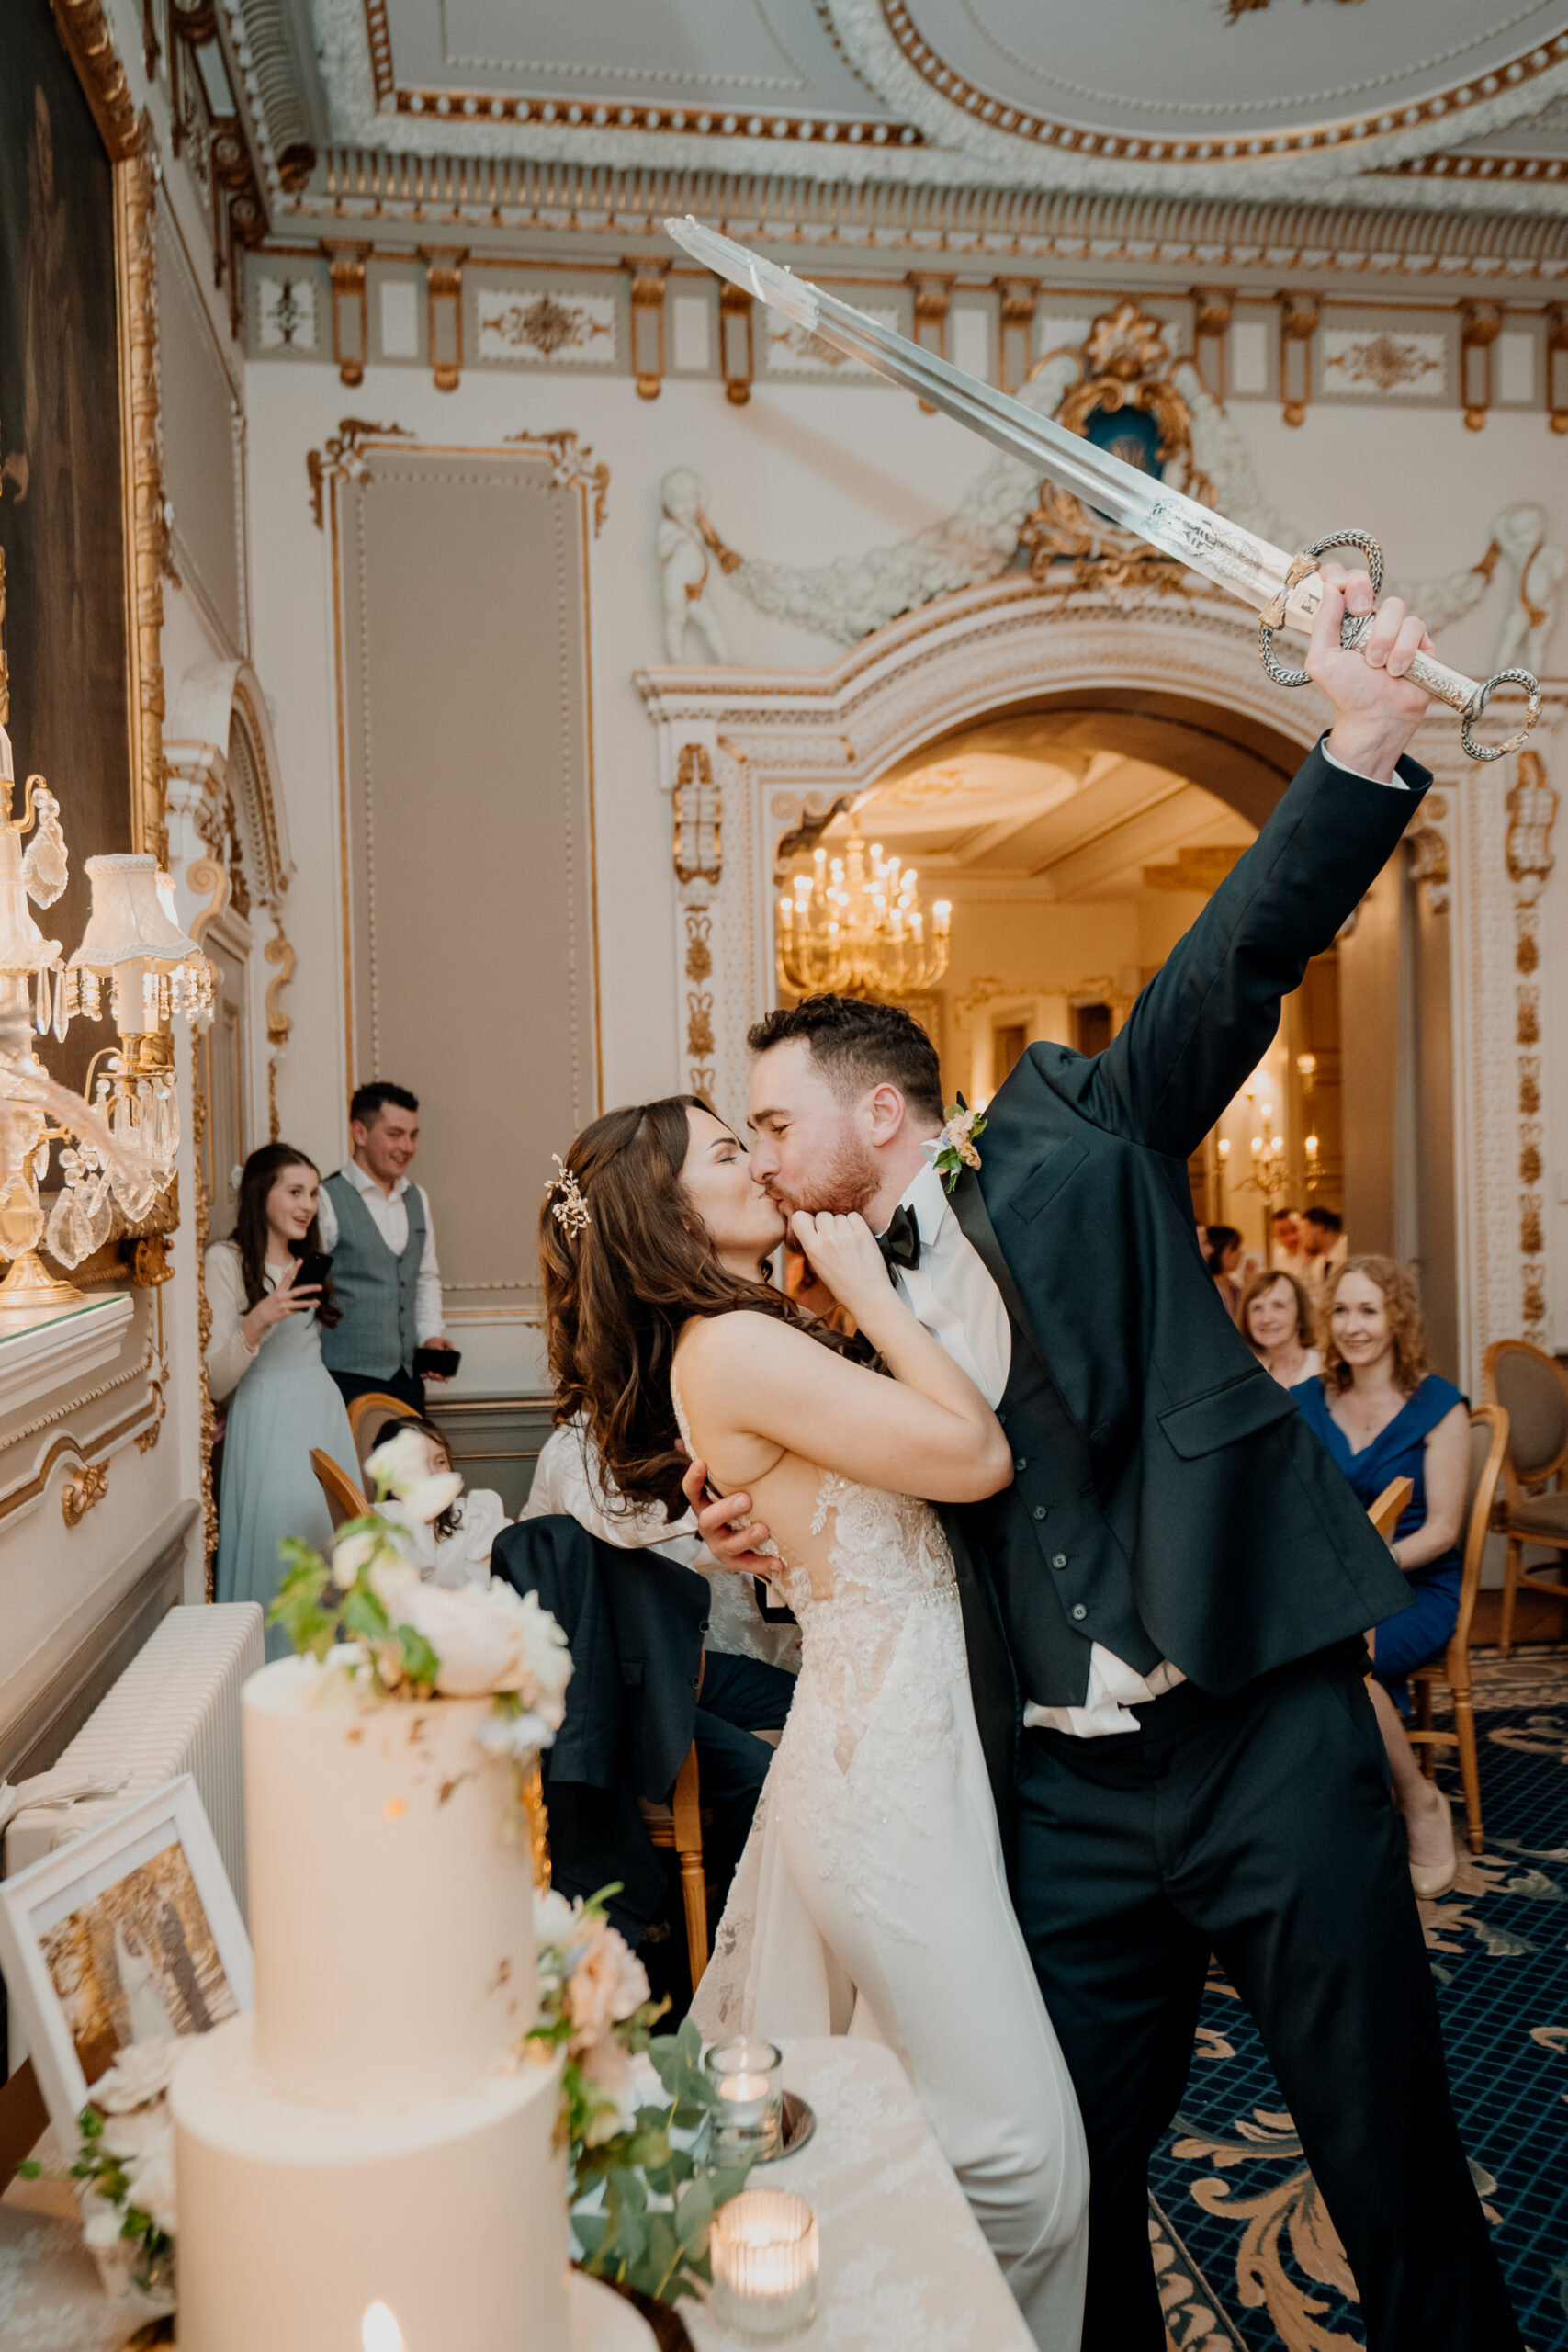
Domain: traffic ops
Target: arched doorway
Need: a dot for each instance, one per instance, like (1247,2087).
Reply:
(1169,684)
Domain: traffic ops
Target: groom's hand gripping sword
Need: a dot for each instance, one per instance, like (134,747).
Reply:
(1285,591)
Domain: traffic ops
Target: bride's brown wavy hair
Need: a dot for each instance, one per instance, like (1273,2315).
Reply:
(618,1291)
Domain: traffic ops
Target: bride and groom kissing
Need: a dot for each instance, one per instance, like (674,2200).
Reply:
(1082,1599)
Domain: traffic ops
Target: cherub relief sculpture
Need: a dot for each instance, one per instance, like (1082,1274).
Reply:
(1535,572)
(685,546)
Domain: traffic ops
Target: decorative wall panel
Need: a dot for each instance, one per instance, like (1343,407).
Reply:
(468,828)
(201,418)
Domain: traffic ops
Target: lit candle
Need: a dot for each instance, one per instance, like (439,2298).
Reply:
(764,2252)
(748,2117)
(379,2332)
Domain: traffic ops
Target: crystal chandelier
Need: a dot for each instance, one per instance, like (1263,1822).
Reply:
(854,926)
(122,1143)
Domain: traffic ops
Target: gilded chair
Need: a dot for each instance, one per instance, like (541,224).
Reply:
(1488,1447)
(344,1500)
(678,1826)
(1386,1513)
(366,1415)
(1532,1389)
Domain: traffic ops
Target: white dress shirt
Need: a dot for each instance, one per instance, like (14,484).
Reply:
(388,1214)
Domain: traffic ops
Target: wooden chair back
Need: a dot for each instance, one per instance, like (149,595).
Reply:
(1532,1388)
(366,1415)
(1488,1451)
(1388,1510)
(344,1500)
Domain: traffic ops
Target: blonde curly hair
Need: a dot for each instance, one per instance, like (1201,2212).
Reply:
(1402,1304)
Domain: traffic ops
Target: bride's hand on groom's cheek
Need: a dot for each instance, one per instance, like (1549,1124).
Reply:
(727,1526)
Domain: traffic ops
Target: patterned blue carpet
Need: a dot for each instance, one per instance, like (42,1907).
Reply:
(1245,2253)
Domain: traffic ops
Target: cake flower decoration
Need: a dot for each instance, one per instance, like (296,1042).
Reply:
(368,1613)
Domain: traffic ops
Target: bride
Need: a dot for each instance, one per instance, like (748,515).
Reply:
(872,1896)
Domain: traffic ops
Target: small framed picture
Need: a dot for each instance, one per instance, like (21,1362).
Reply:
(130,1933)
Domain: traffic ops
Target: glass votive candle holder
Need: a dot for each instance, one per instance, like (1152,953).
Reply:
(748,2120)
(763,2251)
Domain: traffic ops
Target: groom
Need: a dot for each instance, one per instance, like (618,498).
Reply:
(1164,1611)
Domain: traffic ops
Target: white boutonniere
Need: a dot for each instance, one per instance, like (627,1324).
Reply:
(953,1149)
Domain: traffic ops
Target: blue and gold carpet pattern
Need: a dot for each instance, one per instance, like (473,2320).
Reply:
(1244,2249)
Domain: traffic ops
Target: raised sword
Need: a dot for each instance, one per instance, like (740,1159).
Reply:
(1285,591)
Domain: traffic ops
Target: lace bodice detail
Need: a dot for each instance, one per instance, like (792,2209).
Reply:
(887,1554)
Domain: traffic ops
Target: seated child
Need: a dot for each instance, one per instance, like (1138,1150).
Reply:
(454,1550)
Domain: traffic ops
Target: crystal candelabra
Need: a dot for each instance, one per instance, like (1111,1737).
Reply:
(1267,1149)
(121,1144)
(854,926)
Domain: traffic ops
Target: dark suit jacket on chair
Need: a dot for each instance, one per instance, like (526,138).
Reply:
(1168,1483)
(635,1623)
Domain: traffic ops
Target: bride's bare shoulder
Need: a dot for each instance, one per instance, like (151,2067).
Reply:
(720,1348)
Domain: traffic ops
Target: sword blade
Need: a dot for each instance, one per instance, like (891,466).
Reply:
(1234,559)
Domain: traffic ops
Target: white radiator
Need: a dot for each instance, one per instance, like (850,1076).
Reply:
(174,1708)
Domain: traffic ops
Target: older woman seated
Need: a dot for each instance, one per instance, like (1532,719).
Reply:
(1275,1318)
(1383,1415)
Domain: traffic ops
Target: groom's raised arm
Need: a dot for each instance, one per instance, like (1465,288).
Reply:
(1205,1022)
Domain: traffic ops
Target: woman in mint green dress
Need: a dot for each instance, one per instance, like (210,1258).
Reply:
(265,1357)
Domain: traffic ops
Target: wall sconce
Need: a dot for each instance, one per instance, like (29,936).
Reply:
(127,1136)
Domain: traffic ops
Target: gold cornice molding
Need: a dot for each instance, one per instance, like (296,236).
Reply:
(364,188)
(1034,128)
(84,28)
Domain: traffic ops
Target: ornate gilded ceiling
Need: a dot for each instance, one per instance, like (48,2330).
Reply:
(1413,104)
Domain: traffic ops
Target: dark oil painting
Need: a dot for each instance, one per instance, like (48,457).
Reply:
(62,526)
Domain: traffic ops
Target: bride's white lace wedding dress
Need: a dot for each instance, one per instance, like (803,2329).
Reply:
(872,1898)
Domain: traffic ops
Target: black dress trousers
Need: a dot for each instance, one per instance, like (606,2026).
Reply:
(1257,1827)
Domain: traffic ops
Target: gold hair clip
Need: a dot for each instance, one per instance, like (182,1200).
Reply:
(564,1193)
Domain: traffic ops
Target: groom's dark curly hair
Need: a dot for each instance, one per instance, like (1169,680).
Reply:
(859,1043)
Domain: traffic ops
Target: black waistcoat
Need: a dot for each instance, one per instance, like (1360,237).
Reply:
(1060,1579)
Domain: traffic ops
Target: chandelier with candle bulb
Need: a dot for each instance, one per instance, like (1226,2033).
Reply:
(853,924)
(121,1138)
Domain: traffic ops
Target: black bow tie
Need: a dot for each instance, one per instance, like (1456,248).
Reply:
(900,1245)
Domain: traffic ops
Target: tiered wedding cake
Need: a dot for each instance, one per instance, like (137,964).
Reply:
(366,2136)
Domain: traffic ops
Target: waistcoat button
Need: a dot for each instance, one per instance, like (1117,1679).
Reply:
(1021,1464)
(1080,1611)
(1039,1510)
(1058,1560)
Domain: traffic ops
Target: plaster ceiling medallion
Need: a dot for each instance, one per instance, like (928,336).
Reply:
(707,69)
(1180,91)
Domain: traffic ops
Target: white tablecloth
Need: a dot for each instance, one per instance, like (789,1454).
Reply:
(904,2266)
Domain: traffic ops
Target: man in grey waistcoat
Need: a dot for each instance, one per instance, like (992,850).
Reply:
(377,1225)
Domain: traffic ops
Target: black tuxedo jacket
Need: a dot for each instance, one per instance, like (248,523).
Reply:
(1195,1482)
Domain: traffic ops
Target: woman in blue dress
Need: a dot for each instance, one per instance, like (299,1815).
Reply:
(1383,1415)
(264,1356)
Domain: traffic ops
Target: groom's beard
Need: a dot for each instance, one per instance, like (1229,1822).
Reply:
(840,1186)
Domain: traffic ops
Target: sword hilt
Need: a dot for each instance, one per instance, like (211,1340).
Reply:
(1434,677)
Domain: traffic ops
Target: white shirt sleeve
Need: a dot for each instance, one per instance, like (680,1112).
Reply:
(463,1558)
(1390,783)
(228,1353)
(326,1219)
(427,1322)
(569,1481)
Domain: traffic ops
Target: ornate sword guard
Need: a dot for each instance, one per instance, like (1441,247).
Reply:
(1447,685)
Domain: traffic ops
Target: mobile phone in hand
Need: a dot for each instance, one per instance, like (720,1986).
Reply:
(315,1265)
(436,1363)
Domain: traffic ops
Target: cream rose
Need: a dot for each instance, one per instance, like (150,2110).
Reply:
(402,1463)
(141,2074)
(477,1645)
(130,2137)
(608,1985)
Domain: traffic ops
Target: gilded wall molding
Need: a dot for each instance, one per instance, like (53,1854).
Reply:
(342,457)
(84,28)
(146,523)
